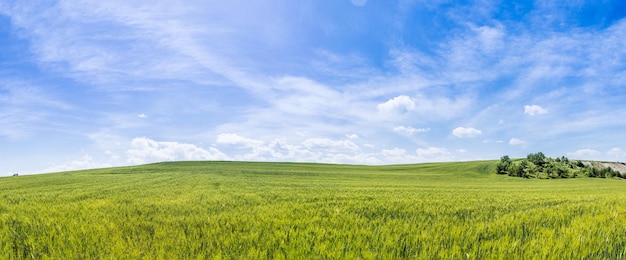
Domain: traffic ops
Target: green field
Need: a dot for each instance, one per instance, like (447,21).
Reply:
(235,210)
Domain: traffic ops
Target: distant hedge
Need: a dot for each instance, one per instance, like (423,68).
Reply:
(537,165)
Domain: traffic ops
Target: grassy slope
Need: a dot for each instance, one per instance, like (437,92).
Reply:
(290,210)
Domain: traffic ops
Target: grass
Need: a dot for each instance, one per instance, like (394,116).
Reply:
(235,210)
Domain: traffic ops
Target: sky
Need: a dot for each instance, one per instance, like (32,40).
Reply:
(90,84)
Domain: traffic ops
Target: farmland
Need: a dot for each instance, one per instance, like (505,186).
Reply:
(234,210)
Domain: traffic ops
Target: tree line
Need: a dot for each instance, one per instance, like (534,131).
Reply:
(537,165)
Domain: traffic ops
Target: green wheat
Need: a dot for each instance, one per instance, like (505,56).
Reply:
(237,210)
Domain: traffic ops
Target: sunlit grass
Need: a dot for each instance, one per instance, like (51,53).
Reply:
(286,210)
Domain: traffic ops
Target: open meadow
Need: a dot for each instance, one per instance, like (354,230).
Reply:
(235,210)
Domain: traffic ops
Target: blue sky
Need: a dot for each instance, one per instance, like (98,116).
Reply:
(87,84)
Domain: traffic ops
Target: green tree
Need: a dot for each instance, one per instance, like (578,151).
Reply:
(538,159)
(608,172)
(561,171)
(523,169)
(532,171)
(504,165)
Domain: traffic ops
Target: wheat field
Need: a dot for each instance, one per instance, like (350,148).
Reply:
(244,210)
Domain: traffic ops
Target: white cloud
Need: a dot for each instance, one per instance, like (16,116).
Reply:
(395,152)
(434,153)
(361,158)
(407,130)
(235,139)
(329,145)
(532,110)
(399,104)
(490,38)
(142,115)
(516,141)
(352,136)
(615,152)
(463,132)
(397,155)
(310,150)
(86,162)
(145,150)
(437,107)
(582,153)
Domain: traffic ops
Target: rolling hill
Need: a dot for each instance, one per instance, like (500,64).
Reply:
(217,210)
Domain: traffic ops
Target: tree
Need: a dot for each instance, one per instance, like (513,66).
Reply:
(538,159)
(608,172)
(532,171)
(504,165)
(522,170)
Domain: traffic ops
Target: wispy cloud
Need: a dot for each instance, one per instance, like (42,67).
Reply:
(25,108)
(407,130)
(86,162)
